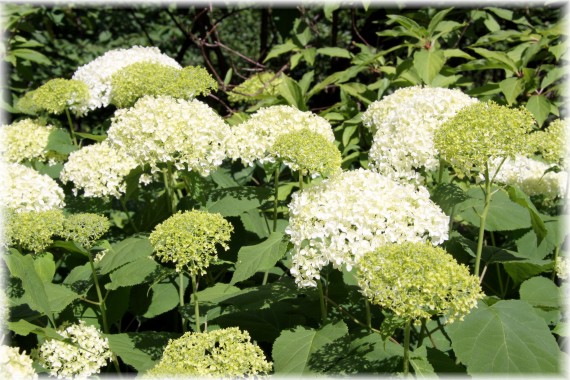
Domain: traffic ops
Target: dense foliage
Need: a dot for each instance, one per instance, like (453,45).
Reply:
(289,191)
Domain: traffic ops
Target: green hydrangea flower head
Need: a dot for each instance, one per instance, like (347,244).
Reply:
(418,280)
(225,353)
(482,132)
(189,239)
(551,143)
(256,87)
(26,140)
(85,228)
(151,78)
(32,230)
(308,152)
(54,97)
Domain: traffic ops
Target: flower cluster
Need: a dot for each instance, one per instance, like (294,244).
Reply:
(308,152)
(25,140)
(55,96)
(225,353)
(84,228)
(15,365)
(98,169)
(403,125)
(531,176)
(25,189)
(253,139)
(482,132)
(256,87)
(97,73)
(189,239)
(551,143)
(418,280)
(343,217)
(188,134)
(32,230)
(561,266)
(85,354)
(149,78)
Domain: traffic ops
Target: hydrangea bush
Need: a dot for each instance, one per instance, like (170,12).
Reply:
(169,220)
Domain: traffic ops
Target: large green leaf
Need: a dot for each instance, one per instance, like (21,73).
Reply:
(260,257)
(511,88)
(290,90)
(232,201)
(59,141)
(124,252)
(140,350)
(541,292)
(420,363)
(164,296)
(136,272)
(59,296)
(519,197)
(45,266)
(498,57)
(24,328)
(428,64)
(505,338)
(304,351)
(539,106)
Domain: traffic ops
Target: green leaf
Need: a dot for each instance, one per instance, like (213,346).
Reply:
(30,55)
(124,252)
(277,50)
(133,273)
(70,246)
(45,266)
(80,278)
(59,141)
(334,52)
(541,292)
(505,338)
(499,57)
(410,25)
(140,350)
(448,195)
(428,64)
(420,363)
(309,54)
(435,20)
(290,90)
(298,352)
(552,76)
(539,106)
(22,267)
(511,88)
(91,136)
(59,296)
(504,214)
(518,196)
(329,7)
(232,201)
(24,328)
(261,257)
(520,271)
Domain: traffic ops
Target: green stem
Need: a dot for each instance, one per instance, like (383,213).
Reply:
(322,301)
(556,252)
(407,347)
(196,306)
(368,314)
(124,204)
(500,279)
(300,181)
(168,184)
(181,297)
(276,200)
(440,172)
(99,295)
(482,221)
(71,127)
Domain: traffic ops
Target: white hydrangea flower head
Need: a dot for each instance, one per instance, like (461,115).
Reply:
(342,218)
(403,126)
(253,139)
(186,133)
(15,365)
(99,170)
(97,73)
(25,140)
(530,176)
(87,354)
(562,270)
(24,189)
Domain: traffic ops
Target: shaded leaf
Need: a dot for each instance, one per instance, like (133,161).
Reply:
(140,350)
(260,257)
(124,252)
(541,292)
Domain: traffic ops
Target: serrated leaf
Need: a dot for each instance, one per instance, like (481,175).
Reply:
(133,273)
(539,106)
(511,88)
(24,328)
(124,252)
(45,266)
(519,197)
(260,257)
(428,64)
(59,296)
(140,350)
(420,363)
(541,292)
(294,352)
(505,338)
(521,271)
(232,201)
(165,296)
(447,196)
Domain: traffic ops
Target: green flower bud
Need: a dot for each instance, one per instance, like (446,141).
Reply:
(308,152)
(32,230)
(551,143)
(418,280)
(55,97)
(219,353)
(85,228)
(189,239)
(149,78)
(256,87)
(482,132)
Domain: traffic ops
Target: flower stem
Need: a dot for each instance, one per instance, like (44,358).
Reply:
(368,315)
(181,296)
(407,347)
(124,204)
(70,126)
(482,221)
(196,306)
(300,181)
(322,301)
(556,252)
(276,201)
(99,295)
